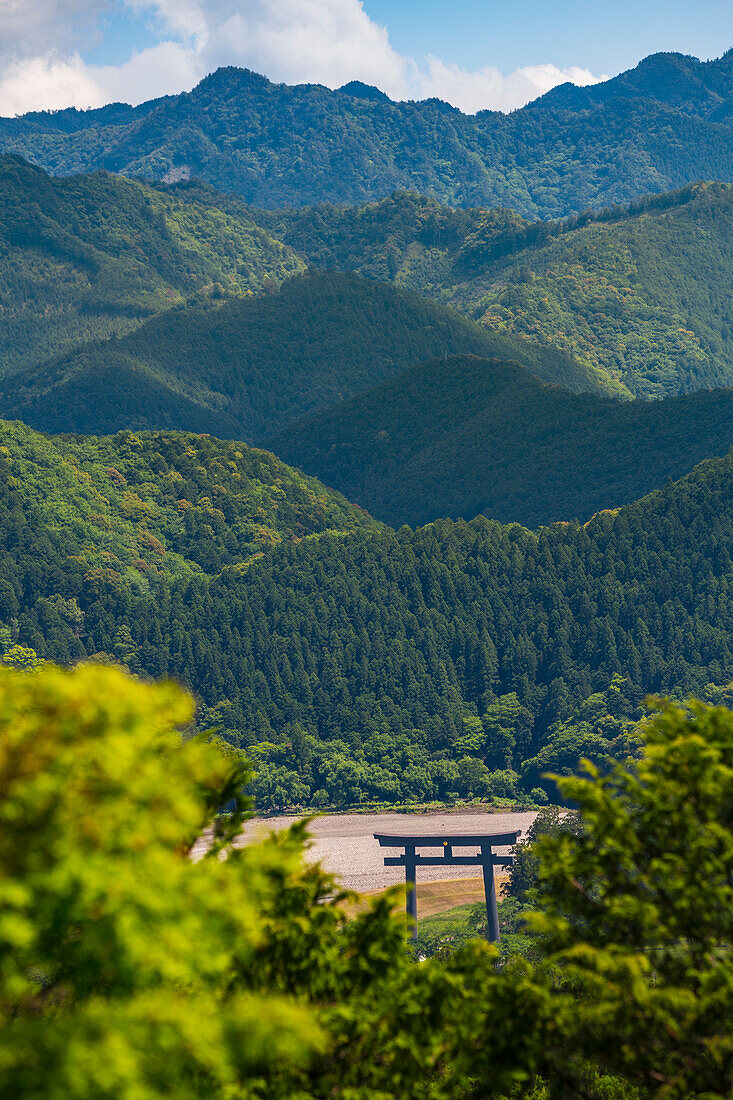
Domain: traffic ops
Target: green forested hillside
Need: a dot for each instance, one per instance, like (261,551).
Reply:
(467,435)
(139,510)
(640,295)
(245,368)
(92,256)
(659,126)
(644,295)
(635,300)
(458,659)
(406,237)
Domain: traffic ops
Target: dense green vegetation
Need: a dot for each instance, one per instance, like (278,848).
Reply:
(466,435)
(245,368)
(333,661)
(632,301)
(458,660)
(408,238)
(129,970)
(662,125)
(92,256)
(142,509)
(644,296)
(639,295)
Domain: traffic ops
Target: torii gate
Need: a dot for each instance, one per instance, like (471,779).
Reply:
(485,858)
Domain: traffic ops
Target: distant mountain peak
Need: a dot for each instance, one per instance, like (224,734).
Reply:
(280,145)
(674,80)
(227,76)
(359,90)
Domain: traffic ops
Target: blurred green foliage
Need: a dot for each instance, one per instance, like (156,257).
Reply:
(635,909)
(129,969)
(116,951)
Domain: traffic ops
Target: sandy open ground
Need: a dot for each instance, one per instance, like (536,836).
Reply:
(345,844)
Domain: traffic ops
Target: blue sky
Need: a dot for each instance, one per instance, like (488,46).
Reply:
(474,53)
(600,35)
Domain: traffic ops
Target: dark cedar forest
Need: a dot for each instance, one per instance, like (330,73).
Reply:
(401,440)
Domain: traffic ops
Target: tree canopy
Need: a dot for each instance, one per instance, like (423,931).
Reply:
(362,664)
(661,125)
(466,435)
(129,969)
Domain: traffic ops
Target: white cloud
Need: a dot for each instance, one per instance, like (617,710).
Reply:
(545,77)
(51,82)
(322,41)
(46,82)
(186,18)
(488,88)
(160,70)
(33,28)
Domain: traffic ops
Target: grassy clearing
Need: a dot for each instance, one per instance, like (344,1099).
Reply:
(446,895)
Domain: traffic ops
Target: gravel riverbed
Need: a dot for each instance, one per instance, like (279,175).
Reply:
(345,844)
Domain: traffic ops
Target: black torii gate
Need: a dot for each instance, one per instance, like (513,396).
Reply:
(485,858)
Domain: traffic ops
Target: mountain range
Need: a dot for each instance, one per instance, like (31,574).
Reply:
(634,299)
(92,256)
(375,292)
(639,295)
(657,127)
(247,367)
(408,371)
(353,661)
(464,436)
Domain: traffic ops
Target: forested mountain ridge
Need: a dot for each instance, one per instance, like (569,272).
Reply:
(640,294)
(92,256)
(140,509)
(461,658)
(677,80)
(635,300)
(644,295)
(656,127)
(465,435)
(245,368)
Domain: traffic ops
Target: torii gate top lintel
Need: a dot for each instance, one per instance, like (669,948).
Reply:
(486,858)
(464,840)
